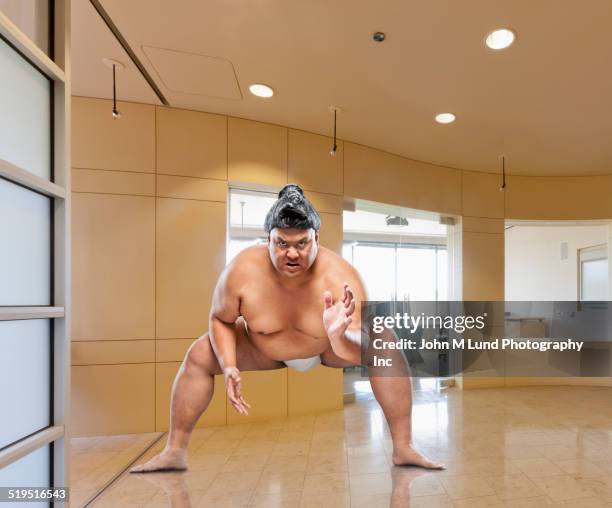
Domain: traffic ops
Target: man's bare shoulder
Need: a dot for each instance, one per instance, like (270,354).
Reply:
(335,265)
(245,262)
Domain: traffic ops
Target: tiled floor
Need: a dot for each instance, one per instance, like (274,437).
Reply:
(94,461)
(513,447)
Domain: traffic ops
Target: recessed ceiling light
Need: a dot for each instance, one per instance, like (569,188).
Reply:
(500,39)
(261,90)
(445,118)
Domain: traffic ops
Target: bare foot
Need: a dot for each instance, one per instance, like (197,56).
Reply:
(168,460)
(408,456)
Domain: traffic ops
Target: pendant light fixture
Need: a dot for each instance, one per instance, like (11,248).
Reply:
(335,110)
(503,185)
(115,66)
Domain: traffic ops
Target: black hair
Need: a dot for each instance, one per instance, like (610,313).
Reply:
(292,210)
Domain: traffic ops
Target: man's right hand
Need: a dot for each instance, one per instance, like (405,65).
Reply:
(233,385)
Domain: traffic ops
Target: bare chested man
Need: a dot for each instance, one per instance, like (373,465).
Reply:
(290,303)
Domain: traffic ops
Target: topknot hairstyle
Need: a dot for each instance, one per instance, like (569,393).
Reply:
(292,210)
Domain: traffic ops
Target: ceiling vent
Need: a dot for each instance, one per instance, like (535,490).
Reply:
(190,73)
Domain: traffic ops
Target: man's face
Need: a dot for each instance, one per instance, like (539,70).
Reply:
(293,251)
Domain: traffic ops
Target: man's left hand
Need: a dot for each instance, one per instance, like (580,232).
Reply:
(337,316)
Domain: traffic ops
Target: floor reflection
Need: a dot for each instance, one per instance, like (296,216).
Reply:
(536,446)
(95,461)
(177,493)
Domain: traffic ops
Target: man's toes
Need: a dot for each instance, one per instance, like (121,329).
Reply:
(416,459)
(426,463)
(435,465)
(146,467)
(152,465)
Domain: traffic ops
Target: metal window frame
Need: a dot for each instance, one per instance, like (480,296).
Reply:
(56,66)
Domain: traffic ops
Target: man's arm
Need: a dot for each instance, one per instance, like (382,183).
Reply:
(224,312)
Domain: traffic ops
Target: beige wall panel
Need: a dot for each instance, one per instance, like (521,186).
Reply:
(164,378)
(325,202)
(559,198)
(101,142)
(101,352)
(171,350)
(112,399)
(481,196)
(483,225)
(483,266)
(113,267)
(330,235)
(191,143)
(190,256)
(257,152)
(379,176)
(266,391)
(191,188)
(310,164)
(317,390)
(113,182)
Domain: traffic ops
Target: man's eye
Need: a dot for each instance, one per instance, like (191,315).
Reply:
(302,243)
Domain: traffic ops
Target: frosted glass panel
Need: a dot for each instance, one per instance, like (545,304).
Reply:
(25,240)
(376,265)
(33,470)
(442,272)
(249,208)
(237,246)
(25,367)
(416,274)
(25,108)
(31,17)
(594,279)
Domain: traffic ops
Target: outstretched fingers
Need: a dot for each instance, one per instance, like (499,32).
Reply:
(343,325)
(238,404)
(327,299)
(235,397)
(349,300)
(243,402)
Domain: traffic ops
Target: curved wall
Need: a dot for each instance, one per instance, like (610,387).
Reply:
(146,185)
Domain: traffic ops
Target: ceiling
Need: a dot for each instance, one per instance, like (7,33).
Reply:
(545,103)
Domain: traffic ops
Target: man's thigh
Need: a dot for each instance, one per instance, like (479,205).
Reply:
(331,359)
(248,357)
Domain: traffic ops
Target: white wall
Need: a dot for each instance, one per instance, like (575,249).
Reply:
(534,269)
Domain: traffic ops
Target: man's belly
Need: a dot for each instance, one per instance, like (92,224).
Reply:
(288,345)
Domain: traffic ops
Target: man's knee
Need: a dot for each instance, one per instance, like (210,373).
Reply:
(201,356)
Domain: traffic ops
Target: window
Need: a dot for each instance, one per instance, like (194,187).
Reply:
(247,213)
(400,272)
(593,273)
(25,122)
(25,234)
(34,229)
(399,260)
(32,18)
